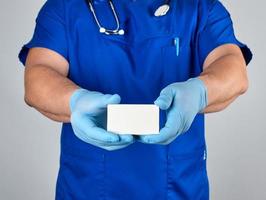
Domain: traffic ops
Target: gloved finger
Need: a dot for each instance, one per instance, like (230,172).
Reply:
(168,132)
(87,126)
(165,99)
(83,135)
(110,99)
(86,138)
(109,147)
(114,147)
(126,138)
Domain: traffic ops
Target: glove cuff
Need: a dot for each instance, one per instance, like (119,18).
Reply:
(203,92)
(75,96)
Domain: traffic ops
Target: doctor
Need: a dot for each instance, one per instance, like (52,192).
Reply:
(181,55)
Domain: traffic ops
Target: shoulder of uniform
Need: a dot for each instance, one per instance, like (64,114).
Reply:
(195,5)
(207,4)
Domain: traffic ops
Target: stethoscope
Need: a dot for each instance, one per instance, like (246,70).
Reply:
(161,11)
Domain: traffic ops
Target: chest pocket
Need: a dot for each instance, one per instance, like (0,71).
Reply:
(176,59)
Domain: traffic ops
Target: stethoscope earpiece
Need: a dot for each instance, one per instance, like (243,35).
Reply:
(121,32)
(102,30)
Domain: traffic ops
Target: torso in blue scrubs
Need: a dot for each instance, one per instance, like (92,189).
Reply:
(153,53)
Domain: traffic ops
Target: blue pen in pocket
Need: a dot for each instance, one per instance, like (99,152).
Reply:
(177,45)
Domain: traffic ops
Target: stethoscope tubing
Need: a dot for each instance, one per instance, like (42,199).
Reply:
(101,28)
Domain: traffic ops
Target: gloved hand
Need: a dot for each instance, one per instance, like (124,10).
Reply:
(88,119)
(182,102)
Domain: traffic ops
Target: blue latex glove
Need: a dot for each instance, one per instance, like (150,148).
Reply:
(182,102)
(88,119)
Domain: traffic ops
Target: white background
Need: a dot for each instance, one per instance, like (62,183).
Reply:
(29,143)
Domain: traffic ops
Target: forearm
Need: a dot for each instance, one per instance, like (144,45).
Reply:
(226,79)
(48,91)
(55,117)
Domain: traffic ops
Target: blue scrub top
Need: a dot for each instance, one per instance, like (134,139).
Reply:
(153,53)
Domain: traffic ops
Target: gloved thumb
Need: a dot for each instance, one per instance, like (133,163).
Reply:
(112,99)
(165,99)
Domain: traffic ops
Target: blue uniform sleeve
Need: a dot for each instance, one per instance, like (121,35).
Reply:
(49,32)
(218,30)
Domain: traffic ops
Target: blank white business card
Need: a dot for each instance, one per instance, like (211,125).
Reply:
(135,119)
